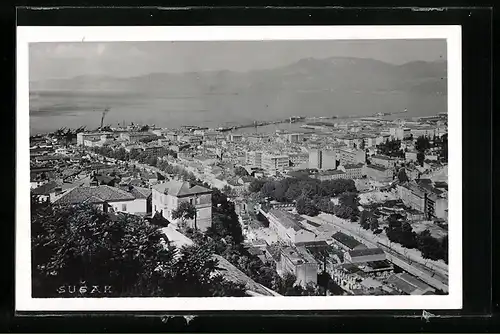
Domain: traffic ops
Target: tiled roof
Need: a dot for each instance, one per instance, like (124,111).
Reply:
(366,252)
(346,240)
(353,166)
(94,194)
(376,167)
(382,157)
(286,219)
(46,188)
(180,188)
(140,192)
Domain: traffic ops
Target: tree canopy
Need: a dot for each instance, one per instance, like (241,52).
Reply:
(83,246)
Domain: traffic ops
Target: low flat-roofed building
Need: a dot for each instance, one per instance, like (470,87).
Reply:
(378,173)
(365,255)
(347,242)
(383,160)
(351,156)
(299,262)
(288,227)
(352,171)
(332,174)
(409,285)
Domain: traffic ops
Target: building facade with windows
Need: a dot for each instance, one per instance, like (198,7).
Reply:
(254,158)
(322,159)
(166,197)
(352,171)
(351,156)
(273,163)
(383,160)
(298,262)
(288,228)
(378,173)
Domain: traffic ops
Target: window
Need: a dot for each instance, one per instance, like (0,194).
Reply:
(191,201)
(124,207)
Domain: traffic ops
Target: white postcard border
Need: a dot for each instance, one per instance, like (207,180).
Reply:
(26,35)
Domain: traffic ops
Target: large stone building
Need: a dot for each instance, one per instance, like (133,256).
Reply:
(168,196)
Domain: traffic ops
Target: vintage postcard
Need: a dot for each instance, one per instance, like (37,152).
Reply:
(238,168)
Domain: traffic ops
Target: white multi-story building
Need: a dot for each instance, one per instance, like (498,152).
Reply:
(351,156)
(383,160)
(352,171)
(254,158)
(322,159)
(273,163)
(166,197)
(400,133)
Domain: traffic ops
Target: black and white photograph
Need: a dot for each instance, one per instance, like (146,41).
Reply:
(172,169)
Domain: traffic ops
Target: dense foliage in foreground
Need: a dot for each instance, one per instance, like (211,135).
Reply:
(84,247)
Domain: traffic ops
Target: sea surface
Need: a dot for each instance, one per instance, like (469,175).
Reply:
(51,110)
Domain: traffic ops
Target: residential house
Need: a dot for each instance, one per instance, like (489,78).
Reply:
(105,198)
(167,197)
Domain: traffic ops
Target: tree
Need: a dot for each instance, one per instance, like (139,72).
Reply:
(71,245)
(240,171)
(256,185)
(364,219)
(82,247)
(374,226)
(144,128)
(305,206)
(267,189)
(420,158)
(185,211)
(432,248)
(227,190)
(286,286)
(362,145)
(422,144)
(402,177)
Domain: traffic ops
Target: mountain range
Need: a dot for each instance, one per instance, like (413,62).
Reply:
(307,76)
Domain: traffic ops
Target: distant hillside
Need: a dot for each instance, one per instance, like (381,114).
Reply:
(316,76)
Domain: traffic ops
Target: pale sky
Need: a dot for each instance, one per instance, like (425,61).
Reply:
(126,59)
